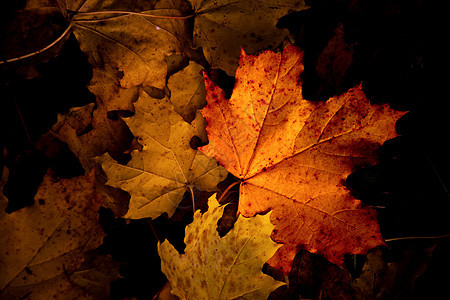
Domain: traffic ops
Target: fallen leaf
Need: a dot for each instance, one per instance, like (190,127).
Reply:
(25,32)
(293,155)
(96,274)
(130,49)
(44,243)
(222,27)
(110,94)
(89,132)
(158,176)
(187,91)
(100,5)
(221,268)
(165,293)
(395,278)
(313,277)
(335,59)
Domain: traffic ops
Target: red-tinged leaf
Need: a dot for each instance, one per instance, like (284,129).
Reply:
(293,155)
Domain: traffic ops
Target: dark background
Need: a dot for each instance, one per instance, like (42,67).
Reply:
(395,56)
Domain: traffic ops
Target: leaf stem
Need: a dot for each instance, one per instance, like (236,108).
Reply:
(192,197)
(417,237)
(153,230)
(227,189)
(40,50)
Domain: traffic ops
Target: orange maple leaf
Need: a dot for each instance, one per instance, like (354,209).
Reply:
(293,155)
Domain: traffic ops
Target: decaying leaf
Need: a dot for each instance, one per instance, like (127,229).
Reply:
(222,27)
(27,31)
(158,176)
(44,243)
(96,274)
(221,268)
(293,155)
(382,278)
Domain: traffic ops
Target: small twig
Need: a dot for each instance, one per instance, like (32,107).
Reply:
(157,294)
(40,50)
(154,231)
(160,291)
(417,237)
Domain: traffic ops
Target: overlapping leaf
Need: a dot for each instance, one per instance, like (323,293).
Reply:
(128,50)
(44,243)
(293,155)
(158,175)
(221,268)
(222,27)
(187,90)
(89,132)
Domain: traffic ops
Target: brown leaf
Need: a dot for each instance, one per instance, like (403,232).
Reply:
(25,32)
(222,27)
(44,243)
(129,50)
(89,132)
(96,274)
(110,94)
(335,59)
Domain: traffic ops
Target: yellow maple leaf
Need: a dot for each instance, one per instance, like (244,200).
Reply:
(158,175)
(221,268)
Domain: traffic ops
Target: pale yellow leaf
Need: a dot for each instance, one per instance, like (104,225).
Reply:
(221,268)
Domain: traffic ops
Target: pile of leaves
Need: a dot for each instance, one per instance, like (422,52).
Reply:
(217,150)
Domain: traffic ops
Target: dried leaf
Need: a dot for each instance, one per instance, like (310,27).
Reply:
(294,155)
(89,132)
(25,32)
(335,59)
(221,268)
(158,176)
(187,91)
(96,274)
(129,49)
(111,94)
(222,27)
(44,243)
